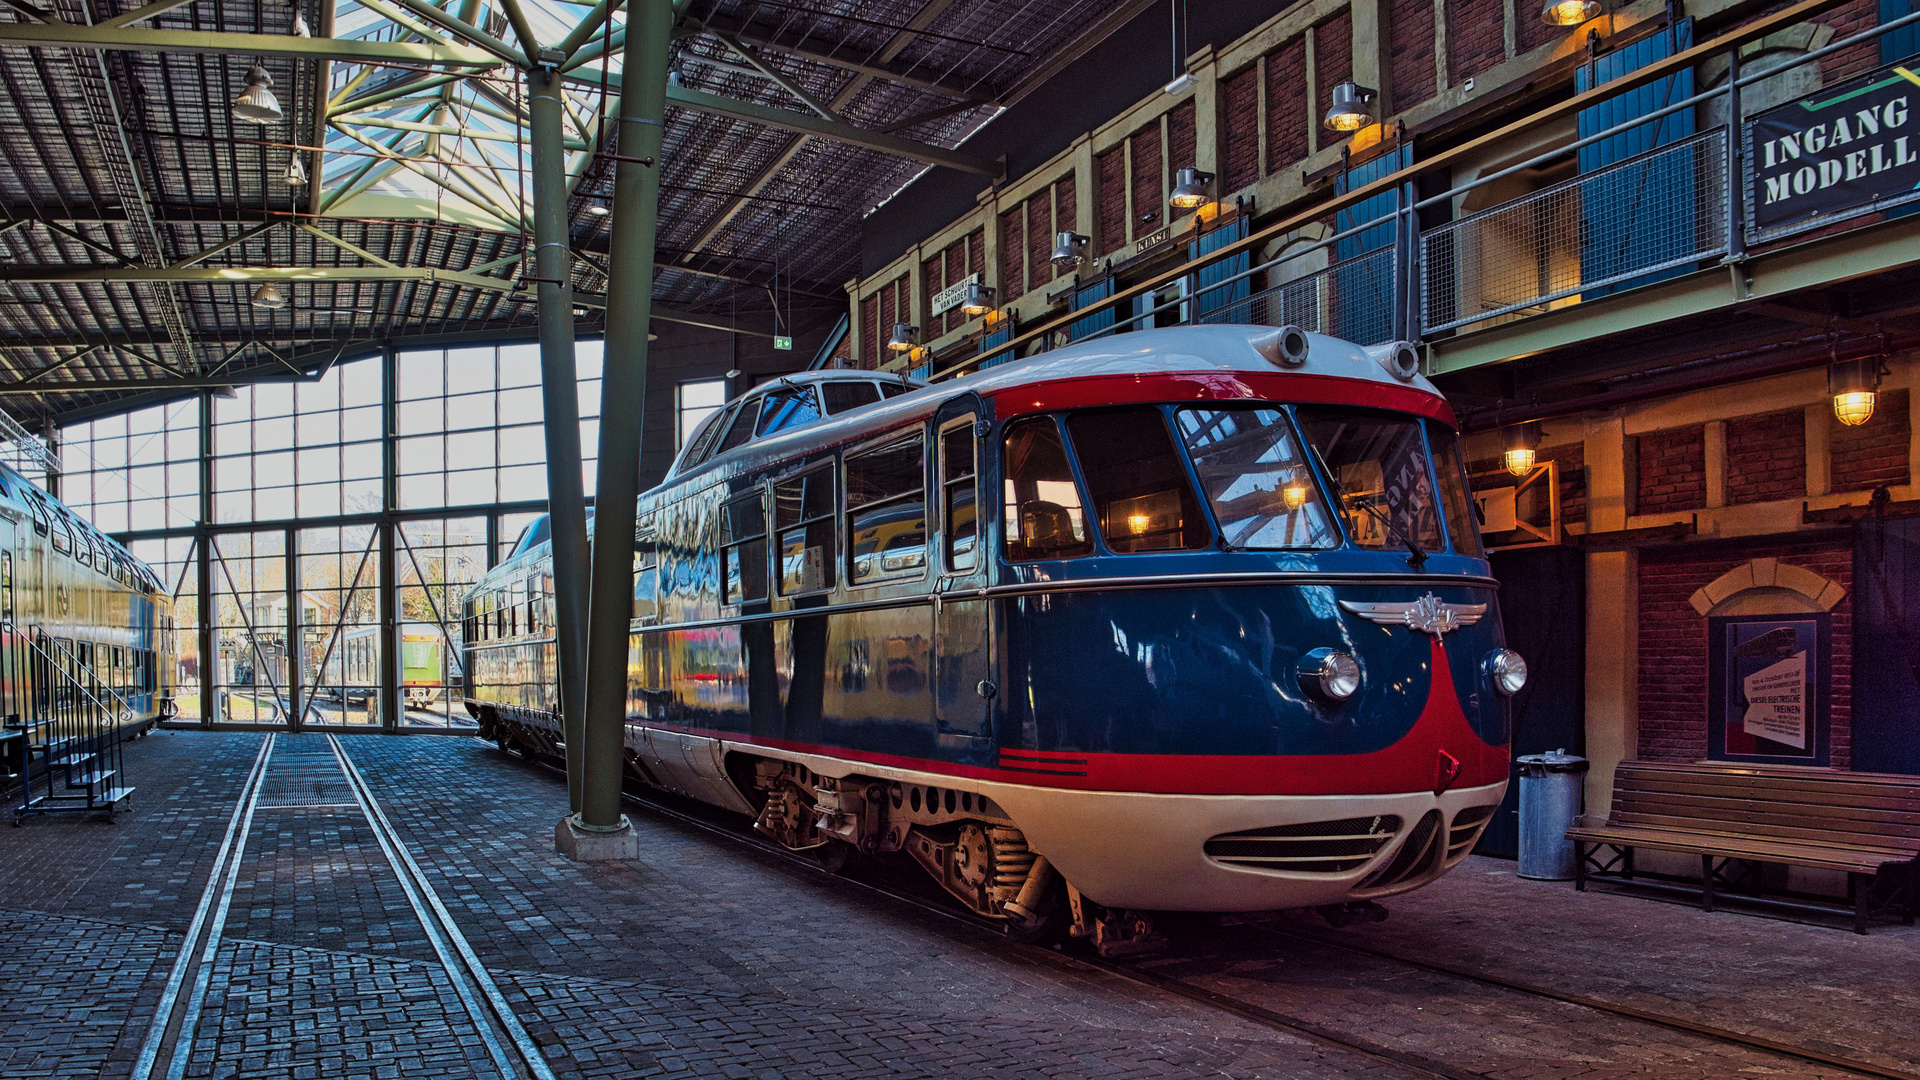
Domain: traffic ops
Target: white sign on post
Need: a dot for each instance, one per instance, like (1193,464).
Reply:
(1776,702)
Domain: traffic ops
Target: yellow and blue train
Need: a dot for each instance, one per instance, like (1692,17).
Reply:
(1182,619)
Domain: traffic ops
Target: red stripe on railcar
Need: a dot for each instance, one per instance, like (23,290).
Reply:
(1096,390)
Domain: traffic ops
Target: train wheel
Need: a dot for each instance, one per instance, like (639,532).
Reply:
(836,856)
(1043,926)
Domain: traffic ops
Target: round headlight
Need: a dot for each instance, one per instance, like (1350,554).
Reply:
(1508,669)
(1329,675)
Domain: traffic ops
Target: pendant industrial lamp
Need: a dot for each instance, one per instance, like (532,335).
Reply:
(1855,386)
(978,301)
(1190,188)
(296,172)
(268,295)
(1352,107)
(1570,12)
(1066,249)
(1522,444)
(256,102)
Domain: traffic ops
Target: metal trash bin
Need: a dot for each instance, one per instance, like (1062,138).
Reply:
(1551,787)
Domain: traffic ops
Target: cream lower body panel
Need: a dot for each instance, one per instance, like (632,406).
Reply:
(1139,850)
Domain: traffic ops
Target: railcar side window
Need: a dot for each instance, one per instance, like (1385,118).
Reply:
(1378,463)
(644,560)
(1045,517)
(743,546)
(789,407)
(896,389)
(1462,529)
(887,513)
(959,501)
(533,604)
(704,436)
(1254,474)
(803,510)
(846,395)
(1139,489)
(742,429)
(6,585)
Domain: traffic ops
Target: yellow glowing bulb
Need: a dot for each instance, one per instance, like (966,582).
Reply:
(1520,460)
(1348,121)
(1187,200)
(1569,12)
(1855,407)
(1137,523)
(1294,495)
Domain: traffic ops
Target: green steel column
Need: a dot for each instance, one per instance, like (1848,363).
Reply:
(559,394)
(623,395)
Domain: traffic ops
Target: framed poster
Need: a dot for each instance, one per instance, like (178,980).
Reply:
(1768,688)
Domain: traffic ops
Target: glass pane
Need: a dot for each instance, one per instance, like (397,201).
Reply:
(1378,464)
(842,396)
(420,374)
(1140,491)
(1045,518)
(887,513)
(248,617)
(470,369)
(785,409)
(340,643)
(1253,472)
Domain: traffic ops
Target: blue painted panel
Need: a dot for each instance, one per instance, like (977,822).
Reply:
(1363,294)
(995,340)
(1899,44)
(1636,215)
(1088,297)
(1220,302)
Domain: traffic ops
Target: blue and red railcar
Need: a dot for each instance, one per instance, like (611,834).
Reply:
(1184,619)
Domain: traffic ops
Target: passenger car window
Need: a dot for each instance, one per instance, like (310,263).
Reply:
(1045,517)
(896,389)
(803,509)
(790,407)
(1137,482)
(742,429)
(887,513)
(1378,463)
(845,395)
(1253,472)
(743,548)
(958,493)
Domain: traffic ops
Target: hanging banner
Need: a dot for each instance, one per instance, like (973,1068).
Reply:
(1839,148)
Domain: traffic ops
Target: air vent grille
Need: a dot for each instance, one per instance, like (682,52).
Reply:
(1318,847)
(1416,857)
(1466,829)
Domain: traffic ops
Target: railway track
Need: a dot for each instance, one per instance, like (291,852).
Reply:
(1298,1026)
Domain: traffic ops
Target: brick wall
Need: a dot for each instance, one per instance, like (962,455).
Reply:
(1287,105)
(1572,462)
(1110,173)
(1767,457)
(1180,140)
(1332,59)
(870,331)
(1673,470)
(1013,239)
(1673,647)
(1876,452)
(1410,52)
(1848,20)
(1148,190)
(1039,238)
(1476,37)
(1065,206)
(1531,31)
(1240,130)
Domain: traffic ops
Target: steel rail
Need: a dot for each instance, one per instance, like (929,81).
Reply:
(478,993)
(173,1017)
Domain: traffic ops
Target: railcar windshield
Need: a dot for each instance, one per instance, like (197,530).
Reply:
(1139,491)
(1449,466)
(1378,464)
(1254,473)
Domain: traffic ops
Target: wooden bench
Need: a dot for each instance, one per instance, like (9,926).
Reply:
(1866,825)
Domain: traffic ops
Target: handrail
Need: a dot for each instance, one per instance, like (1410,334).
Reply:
(1652,72)
(126,707)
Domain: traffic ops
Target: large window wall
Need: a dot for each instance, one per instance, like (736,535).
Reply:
(319,535)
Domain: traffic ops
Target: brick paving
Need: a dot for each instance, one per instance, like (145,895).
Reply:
(706,958)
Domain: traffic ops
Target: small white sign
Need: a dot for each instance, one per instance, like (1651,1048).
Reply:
(1776,702)
(949,298)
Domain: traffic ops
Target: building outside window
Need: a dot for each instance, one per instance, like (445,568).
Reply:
(694,401)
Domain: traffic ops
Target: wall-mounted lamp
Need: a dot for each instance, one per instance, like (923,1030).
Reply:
(268,295)
(296,172)
(256,102)
(1067,247)
(1352,107)
(979,299)
(1522,442)
(1570,12)
(902,339)
(1855,386)
(1190,188)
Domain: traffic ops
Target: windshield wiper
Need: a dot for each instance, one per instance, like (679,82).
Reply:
(1416,555)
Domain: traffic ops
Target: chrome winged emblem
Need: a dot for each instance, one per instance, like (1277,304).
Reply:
(1428,615)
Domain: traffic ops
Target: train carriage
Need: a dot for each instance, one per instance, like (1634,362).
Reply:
(1188,619)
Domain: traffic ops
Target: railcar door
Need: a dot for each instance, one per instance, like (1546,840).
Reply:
(964,684)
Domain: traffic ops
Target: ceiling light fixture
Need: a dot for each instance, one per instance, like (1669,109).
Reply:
(300,24)
(598,209)
(1190,188)
(268,295)
(1066,249)
(1570,12)
(1522,443)
(1352,107)
(296,172)
(1855,386)
(256,102)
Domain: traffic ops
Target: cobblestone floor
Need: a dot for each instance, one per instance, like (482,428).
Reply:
(704,958)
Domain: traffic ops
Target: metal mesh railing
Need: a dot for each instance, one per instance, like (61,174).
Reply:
(1352,299)
(1586,237)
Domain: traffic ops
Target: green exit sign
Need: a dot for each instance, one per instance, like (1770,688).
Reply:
(784,344)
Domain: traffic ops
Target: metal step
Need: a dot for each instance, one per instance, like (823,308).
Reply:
(92,779)
(114,795)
